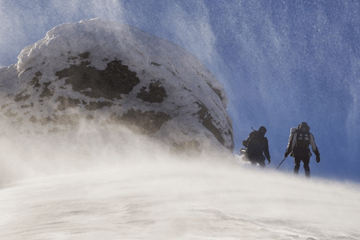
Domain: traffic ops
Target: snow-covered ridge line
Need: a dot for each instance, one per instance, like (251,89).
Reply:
(112,40)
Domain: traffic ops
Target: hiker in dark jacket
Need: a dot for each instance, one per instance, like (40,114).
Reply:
(298,147)
(257,146)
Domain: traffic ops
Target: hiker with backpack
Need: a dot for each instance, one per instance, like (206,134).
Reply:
(298,147)
(256,147)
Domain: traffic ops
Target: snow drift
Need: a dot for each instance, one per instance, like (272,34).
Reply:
(109,73)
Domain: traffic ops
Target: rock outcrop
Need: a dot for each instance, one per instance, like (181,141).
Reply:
(110,73)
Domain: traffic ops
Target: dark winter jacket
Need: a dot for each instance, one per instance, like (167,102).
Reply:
(257,144)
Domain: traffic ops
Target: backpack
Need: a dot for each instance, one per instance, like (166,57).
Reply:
(255,142)
(252,139)
(303,137)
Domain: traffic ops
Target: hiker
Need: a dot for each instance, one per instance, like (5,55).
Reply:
(298,147)
(257,146)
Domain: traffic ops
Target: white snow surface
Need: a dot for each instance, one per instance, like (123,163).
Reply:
(101,186)
(184,78)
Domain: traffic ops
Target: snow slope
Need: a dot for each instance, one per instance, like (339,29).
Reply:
(96,185)
(177,200)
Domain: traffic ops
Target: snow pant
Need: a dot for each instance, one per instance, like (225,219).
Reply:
(257,159)
(306,161)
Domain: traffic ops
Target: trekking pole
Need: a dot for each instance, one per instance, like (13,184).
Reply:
(281,163)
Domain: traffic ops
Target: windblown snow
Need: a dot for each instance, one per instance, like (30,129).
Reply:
(90,117)
(121,193)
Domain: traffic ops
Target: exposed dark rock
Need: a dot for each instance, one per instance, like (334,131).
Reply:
(230,134)
(35,82)
(71,119)
(156,93)
(206,118)
(110,83)
(9,113)
(67,103)
(84,55)
(20,97)
(218,92)
(155,64)
(46,91)
(26,106)
(72,58)
(189,147)
(38,74)
(92,106)
(142,122)
(4,106)
(42,121)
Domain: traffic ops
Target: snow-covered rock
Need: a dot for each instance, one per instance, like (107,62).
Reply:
(110,73)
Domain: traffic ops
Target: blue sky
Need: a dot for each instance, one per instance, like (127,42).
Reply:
(281,62)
